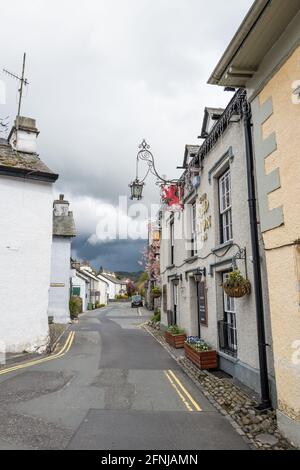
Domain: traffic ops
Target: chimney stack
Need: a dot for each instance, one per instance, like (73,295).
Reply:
(23,135)
(61,206)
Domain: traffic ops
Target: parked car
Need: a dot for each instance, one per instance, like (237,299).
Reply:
(136,301)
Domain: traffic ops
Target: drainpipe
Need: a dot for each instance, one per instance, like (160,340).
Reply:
(261,335)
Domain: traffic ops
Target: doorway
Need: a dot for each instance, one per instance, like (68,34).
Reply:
(175,302)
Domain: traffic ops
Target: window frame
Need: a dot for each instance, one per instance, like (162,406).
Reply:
(225,206)
(172,242)
(194,244)
(229,315)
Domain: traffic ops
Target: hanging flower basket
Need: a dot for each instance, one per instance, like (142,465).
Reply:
(236,285)
(156,292)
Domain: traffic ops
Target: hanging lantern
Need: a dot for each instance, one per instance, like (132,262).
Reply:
(136,188)
(199,274)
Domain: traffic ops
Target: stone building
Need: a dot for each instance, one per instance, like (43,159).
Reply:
(26,197)
(264,57)
(63,233)
(206,240)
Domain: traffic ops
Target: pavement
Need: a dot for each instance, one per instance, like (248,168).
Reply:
(111,387)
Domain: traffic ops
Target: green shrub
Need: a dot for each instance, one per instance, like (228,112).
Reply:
(156,317)
(75,306)
(98,305)
(175,330)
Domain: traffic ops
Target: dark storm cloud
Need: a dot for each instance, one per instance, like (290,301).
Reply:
(117,255)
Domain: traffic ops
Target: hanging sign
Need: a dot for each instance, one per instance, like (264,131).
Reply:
(171,195)
(202,304)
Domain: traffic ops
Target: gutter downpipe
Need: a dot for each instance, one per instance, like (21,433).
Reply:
(261,335)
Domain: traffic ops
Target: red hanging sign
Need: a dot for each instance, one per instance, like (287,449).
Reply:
(172,195)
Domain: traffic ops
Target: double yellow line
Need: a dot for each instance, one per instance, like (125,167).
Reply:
(182,392)
(61,353)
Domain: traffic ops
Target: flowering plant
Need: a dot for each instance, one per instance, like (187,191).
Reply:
(197,343)
(235,285)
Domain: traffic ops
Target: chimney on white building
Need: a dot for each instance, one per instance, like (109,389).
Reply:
(61,206)
(23,135)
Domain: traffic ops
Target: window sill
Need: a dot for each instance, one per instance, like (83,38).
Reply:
(231,357)
(223,245)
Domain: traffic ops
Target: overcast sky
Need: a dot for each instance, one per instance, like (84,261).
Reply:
(103,75)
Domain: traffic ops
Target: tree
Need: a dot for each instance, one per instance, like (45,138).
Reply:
(130,287)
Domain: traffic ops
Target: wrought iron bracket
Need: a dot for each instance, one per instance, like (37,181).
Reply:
(145,155)
(240,255)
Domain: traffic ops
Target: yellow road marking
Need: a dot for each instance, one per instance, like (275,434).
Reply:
(179,392)
(187,394)
(61,353)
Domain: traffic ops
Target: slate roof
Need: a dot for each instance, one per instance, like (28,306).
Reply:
(215,114)
(14,163)
(64,225)
(190,152)
(112,279)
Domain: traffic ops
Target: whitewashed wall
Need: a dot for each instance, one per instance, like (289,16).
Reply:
(103,288)
(25,254)
(113,289)
(59,294)
(79,282)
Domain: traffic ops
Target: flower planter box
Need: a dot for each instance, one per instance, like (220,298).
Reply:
(201,359)
(176,341)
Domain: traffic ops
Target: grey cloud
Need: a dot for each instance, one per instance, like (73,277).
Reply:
(105,74)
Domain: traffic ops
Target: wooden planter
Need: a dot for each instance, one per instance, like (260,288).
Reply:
(176,341)
(201,359)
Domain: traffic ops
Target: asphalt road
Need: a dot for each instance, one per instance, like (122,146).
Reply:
(116,388)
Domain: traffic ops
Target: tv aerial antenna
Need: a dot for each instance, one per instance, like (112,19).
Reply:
(23,82)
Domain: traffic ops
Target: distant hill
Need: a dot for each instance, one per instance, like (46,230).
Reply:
(134,276)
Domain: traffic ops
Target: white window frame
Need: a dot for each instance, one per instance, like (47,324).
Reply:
(225,206)
(230,314)
(172,241)
(194,245)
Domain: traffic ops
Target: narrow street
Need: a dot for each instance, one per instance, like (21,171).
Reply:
(115,388)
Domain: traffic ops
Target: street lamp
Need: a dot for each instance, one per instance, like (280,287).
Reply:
(136,188)
(145,155)
(199,274)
